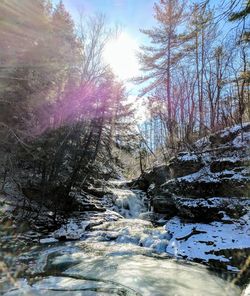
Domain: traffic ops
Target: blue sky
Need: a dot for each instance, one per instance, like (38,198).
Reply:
(131,15)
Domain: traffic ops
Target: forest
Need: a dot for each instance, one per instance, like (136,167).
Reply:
(107,193)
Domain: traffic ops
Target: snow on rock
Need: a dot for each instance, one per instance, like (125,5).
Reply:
(234,129)
(242,141)
(203,175)
(201,143)
(209,209)
(185,163)
(77,227)
(71,230)
(187,157)
(246,291)
(48,240)
(229,136)
(201,241)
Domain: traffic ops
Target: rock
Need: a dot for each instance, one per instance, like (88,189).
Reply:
(73,230)
(97,191)
(164,204)
(82,201)
(158,175)
(228,135)
(192,187)
(211,209)
(156,218)
(228,163)
(219,167)
(185,163)
(207,184)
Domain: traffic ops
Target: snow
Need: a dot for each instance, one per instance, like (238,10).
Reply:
(246,292)
(151,186)
(213,202)
(211,237)
(202,142)
(238,143)
(203,175)
(71,230)
(48,240)
(206,176)
(233,129)
(188,157)
(232,159)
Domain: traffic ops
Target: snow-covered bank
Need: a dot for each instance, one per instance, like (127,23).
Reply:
(207,241)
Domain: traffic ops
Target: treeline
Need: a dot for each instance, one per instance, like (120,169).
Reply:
(195,71)
(61,108)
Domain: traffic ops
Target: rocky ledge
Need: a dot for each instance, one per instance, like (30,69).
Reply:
(204,196)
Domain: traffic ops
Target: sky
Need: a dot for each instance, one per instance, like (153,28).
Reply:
(120,53)
(130,16)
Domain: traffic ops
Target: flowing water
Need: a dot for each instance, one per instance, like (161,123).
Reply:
(121,257)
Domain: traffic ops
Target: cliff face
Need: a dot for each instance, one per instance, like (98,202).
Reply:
(205,200)
(214,177)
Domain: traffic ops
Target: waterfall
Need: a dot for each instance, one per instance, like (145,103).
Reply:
(129,203)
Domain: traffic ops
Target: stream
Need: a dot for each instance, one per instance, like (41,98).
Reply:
(114,256)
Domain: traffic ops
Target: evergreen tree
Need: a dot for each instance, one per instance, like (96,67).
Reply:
(159,61)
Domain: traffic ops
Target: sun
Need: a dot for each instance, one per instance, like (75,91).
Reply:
(120,54)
